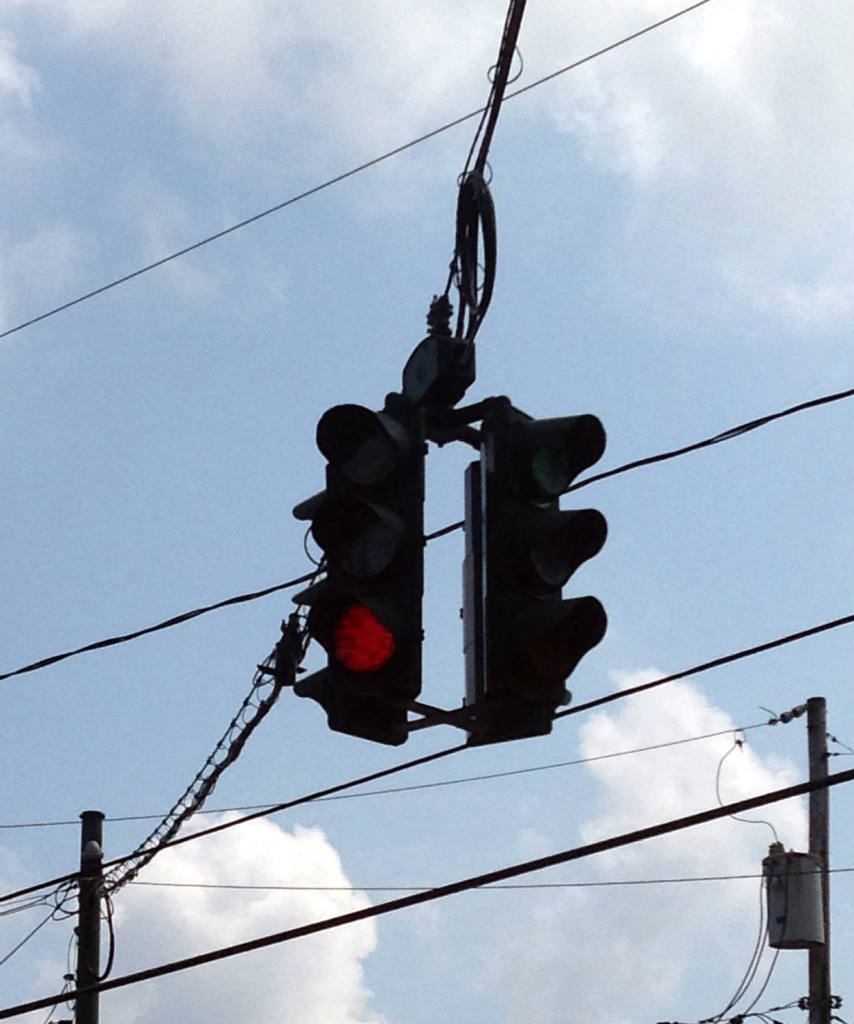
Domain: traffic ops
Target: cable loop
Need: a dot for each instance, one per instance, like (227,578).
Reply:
(475,228)
(490,75)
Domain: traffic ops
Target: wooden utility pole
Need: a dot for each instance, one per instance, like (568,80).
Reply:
(89,916)
(819,956)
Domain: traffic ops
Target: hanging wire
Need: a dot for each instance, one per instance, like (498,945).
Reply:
(847,752)
(765,983)
(28,903)
(738,743)
(752,966)
(267,684)
(108,915)
(26,939)
(263,694)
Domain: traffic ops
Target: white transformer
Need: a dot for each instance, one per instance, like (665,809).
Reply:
(793,891)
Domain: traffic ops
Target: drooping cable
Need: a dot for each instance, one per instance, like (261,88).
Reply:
(340,787)
(738,744)
(443,891)
(266,687)
(753,963)
(761,991)
(111,954)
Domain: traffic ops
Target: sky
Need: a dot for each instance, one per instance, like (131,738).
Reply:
(675,256)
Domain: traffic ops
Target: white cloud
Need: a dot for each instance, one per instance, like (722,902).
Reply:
(316,980)
(240,73)
(16,79)
(728,127)
(41,267)
(18,84)
(654,949)
(731,122)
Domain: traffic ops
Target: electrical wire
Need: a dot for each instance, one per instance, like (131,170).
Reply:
(848,751)
(475,217)
(340,787)
(166,624)
(498,76)
(267,685)
(108,904)
(22,905)
(761,991)
(443,891)
(738,745)
(242,598)
(66,987)
(346,174)
(441,754)
(26,939)
(726,435)
(748,652)
(425,888)
(753,963)
(423,785)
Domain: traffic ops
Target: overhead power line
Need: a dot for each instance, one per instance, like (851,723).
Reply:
(177,620)
(342,177)
(423,785)
(426,888)
(328,791)
(726,435)
(26,939)
(716,663)
(443,891)
(792,638)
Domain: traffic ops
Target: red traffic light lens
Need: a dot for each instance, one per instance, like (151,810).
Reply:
(361,642)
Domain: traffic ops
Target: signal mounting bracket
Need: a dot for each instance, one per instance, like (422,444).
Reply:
(462,717)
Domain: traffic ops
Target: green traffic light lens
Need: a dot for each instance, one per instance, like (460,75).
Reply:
(360,641)
(550,470)
(551,453)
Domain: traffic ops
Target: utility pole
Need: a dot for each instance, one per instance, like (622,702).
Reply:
(89,916)
(819,818)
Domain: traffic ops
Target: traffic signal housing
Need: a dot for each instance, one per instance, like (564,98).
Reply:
(523,640)
(366,612)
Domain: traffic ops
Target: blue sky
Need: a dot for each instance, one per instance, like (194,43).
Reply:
(675,224)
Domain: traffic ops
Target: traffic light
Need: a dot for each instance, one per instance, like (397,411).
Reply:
(522,639)
(366,613)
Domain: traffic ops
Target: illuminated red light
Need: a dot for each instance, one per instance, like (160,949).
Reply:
(362,642)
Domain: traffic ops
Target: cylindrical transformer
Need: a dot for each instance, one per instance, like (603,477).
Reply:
(793,891)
